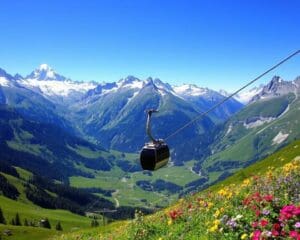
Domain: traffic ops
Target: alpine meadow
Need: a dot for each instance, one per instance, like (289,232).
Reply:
(149,120)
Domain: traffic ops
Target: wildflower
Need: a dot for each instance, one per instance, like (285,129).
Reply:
(256,235)
(254,224)
(231,222)
(288,212)
(268,198)
(257,213)
(276,226)
(213,228)
(239,216)
(244,236)
(175,214)
(294,235)
(275,233)
(169,222)
(246,182)
(263,222)
(217,213)
(266,234)
(224,218)
(216,222)
(297,225)
(266,212)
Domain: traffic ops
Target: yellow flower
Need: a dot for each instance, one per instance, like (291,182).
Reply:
(217,222)
(160,238)
(229,195)
(246,182)
(170,222)
(244,236)
(217,213)
(222,192)
(213,228)
(209,204)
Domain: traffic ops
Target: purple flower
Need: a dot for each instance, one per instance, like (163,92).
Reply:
(231,222)
(297,225)
(266,212)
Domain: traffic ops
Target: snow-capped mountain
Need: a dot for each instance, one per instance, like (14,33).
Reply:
(6,80)
(190,90)
(45,72)
(46,81)
(246,96)
(276,87)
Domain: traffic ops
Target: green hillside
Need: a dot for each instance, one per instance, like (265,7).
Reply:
(225,210)
(258,130)
(33,214)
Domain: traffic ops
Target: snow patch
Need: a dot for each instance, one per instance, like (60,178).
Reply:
(229,130)
(4,82)
(190,89)
(245,96)
(279,138)
(161,92)
(135,84)
(61,88)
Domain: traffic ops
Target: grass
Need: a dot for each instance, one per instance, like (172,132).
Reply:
(276,160)
(69,221)
(34,213)
(128,193)
(25,233)
(153,226)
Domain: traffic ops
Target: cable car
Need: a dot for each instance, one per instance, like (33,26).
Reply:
(154,154)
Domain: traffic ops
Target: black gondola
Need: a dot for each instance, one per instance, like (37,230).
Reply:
(154,154)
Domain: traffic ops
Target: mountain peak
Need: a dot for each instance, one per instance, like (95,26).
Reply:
(45,72)
(276,87)
(45,67)
(4,74)
(190,89)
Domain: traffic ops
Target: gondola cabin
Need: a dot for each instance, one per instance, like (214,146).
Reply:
(154,155)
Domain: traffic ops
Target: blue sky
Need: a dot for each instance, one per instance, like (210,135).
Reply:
(218,44)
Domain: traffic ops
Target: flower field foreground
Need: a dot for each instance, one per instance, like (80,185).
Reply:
(262,206)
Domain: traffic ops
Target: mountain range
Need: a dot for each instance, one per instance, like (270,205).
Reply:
(87,132)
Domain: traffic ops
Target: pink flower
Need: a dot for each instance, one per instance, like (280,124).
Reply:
(256,235)
(275,233)
(297,225)
(268,198)
(263,222)
(257,213)
(288,212)
(175,214)
(254,224)
(294,234)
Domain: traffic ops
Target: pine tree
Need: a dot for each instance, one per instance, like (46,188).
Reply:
(45,223)
(17,220)
(12,222)
(58,227)
(26,222)
(2,219)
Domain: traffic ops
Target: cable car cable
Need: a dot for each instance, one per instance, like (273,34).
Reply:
(232,95)
(208,111)
(226,99)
